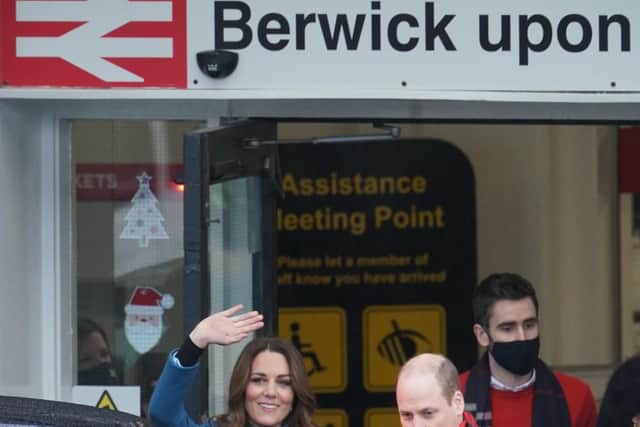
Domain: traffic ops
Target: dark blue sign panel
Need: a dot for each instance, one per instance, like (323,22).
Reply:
(376,263)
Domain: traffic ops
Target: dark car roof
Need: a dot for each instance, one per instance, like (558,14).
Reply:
(22,411)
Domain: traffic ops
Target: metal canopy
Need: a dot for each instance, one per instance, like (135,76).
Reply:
(388,110)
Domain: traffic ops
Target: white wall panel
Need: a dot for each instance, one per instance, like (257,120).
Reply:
(20,254)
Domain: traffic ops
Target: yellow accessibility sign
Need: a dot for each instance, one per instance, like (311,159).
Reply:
(319,333)
(331,418)
(106,402)
(381,417)
(395,333)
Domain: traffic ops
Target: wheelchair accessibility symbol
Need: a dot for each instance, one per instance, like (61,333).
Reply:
(395,333)
(305,349)
(319,333)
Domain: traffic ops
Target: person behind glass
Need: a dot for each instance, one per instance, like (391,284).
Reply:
(620,406)
(428,394)
(510,385)
(95,362)
(268,385)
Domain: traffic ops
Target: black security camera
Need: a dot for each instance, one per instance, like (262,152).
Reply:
(217,63)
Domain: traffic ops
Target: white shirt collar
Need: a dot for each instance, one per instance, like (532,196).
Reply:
(495,383)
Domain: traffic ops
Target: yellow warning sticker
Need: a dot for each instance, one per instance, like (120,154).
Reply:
(319,333)
(331,418)
(381,417)
(106,402)
(395,333)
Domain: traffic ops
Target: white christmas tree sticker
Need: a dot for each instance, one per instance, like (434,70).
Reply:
(144,220)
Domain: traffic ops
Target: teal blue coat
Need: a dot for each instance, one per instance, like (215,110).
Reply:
(166,408)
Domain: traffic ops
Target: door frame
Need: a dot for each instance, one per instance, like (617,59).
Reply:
(215,155)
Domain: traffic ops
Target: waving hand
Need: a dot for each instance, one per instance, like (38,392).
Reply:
(226,327)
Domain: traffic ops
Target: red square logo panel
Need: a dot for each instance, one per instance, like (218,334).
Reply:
(93,43)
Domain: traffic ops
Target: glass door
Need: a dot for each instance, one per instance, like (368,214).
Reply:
(229,239)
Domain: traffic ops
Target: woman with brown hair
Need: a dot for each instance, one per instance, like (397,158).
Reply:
(268,386)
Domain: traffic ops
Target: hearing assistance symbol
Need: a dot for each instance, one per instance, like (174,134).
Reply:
(305,349)
(401,344)
(106,402)
(394,333)
(319,333)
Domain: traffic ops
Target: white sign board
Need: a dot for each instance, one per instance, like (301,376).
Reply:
(408,49)
(457,45)
(117,398)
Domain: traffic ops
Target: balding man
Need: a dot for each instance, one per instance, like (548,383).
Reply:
(428,394)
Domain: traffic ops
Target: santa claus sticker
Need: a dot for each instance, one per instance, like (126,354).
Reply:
(143,321)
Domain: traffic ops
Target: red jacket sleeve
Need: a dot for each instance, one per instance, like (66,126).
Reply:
(582,405)
(463,380)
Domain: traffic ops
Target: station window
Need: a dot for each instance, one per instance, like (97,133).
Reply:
(129,250)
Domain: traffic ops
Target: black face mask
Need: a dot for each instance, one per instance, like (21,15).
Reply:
(103,374)
(517,357)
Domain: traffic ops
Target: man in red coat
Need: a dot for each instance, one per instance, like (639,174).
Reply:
(428,394)
(510,386)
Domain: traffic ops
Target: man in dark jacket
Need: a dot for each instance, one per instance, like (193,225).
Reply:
(428,394)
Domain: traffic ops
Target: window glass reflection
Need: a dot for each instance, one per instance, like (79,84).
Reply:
(128,246)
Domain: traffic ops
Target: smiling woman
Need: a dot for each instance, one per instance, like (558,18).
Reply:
(268,384)
(269,395)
